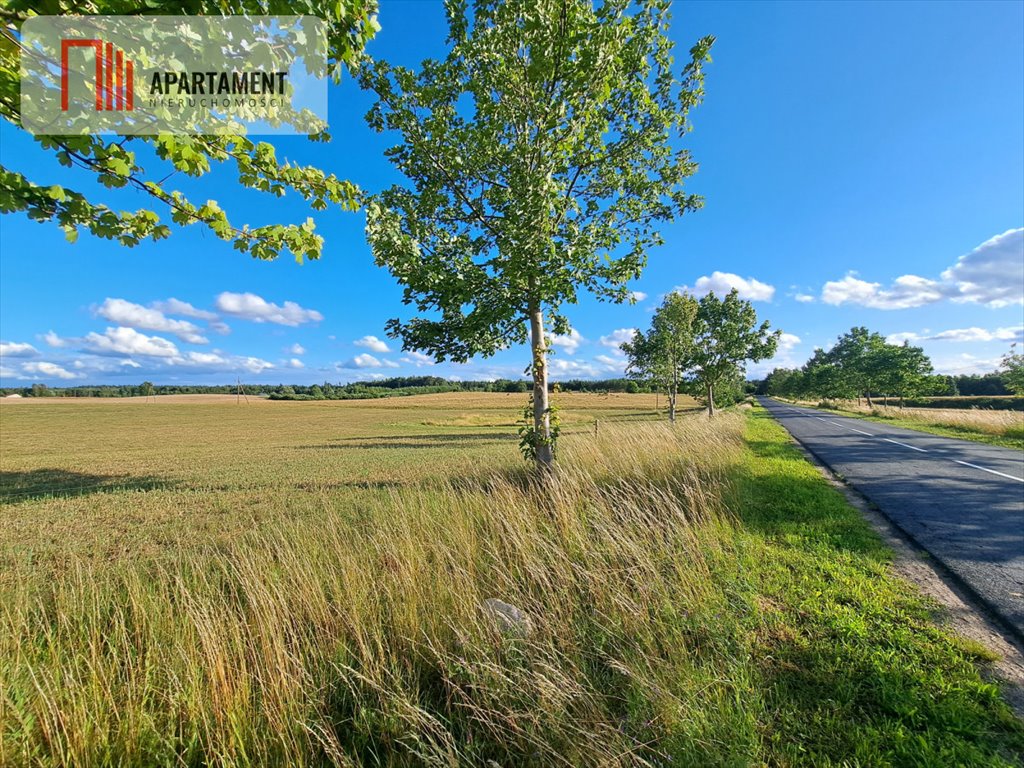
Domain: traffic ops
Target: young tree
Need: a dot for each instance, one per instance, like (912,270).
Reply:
(1012,370)
(664,354)
(540,160)
(116,162)
(727,335)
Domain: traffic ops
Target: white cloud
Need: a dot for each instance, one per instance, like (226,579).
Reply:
(16,349)
(803,298)
(783,358)
(126,313)
(787,341)
(128,341)
(972,334)
(980,334)
(56,341)
(216,362)
(252,364)
(93,364)
(637,295)
(899,338)
(572,368)
(612,364)
(965,364)
(296,363)
(372,343)
(418,359)
(249,306)
(723,282)
(992,274)
(49,369)
(907,291)
(219,327)
(201,358)
(296,349)
(618,337)
(570,342)
(367,361)
(176,307)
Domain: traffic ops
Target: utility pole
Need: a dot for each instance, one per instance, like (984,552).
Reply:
(240,392)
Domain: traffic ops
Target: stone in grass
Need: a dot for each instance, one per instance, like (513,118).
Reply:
(510,620)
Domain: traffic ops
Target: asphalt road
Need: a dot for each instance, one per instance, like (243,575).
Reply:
(961,501)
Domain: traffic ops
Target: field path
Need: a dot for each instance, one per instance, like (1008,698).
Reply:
(961,501)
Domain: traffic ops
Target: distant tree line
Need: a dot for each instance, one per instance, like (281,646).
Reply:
(862,364)
(363,390)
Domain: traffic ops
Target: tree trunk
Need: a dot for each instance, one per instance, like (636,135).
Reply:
(541,416)
(673,392)
(868,396)
(711,401)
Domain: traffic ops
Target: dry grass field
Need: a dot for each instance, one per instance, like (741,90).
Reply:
(106,478)
(192,581)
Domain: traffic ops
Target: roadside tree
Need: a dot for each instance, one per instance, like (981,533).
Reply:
(663,355)
(1012,370)
(541,160)
(726,337)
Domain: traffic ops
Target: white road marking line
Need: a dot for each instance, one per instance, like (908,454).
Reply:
(911,447)
(852,429)
(983,469)
(921,450)
(836,423)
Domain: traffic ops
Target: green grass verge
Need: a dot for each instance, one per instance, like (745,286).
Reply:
(855,672)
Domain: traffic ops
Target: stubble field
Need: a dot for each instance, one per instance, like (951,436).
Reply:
(107,478)
(195,581)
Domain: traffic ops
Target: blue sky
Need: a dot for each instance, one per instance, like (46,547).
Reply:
(862,164)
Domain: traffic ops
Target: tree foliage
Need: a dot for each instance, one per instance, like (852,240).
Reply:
(662,356)
(1012,370)
(861,364)
(703,344)
(147,163)
(540,161)
(726,336)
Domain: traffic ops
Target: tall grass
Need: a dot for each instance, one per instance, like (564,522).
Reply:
(361,640)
